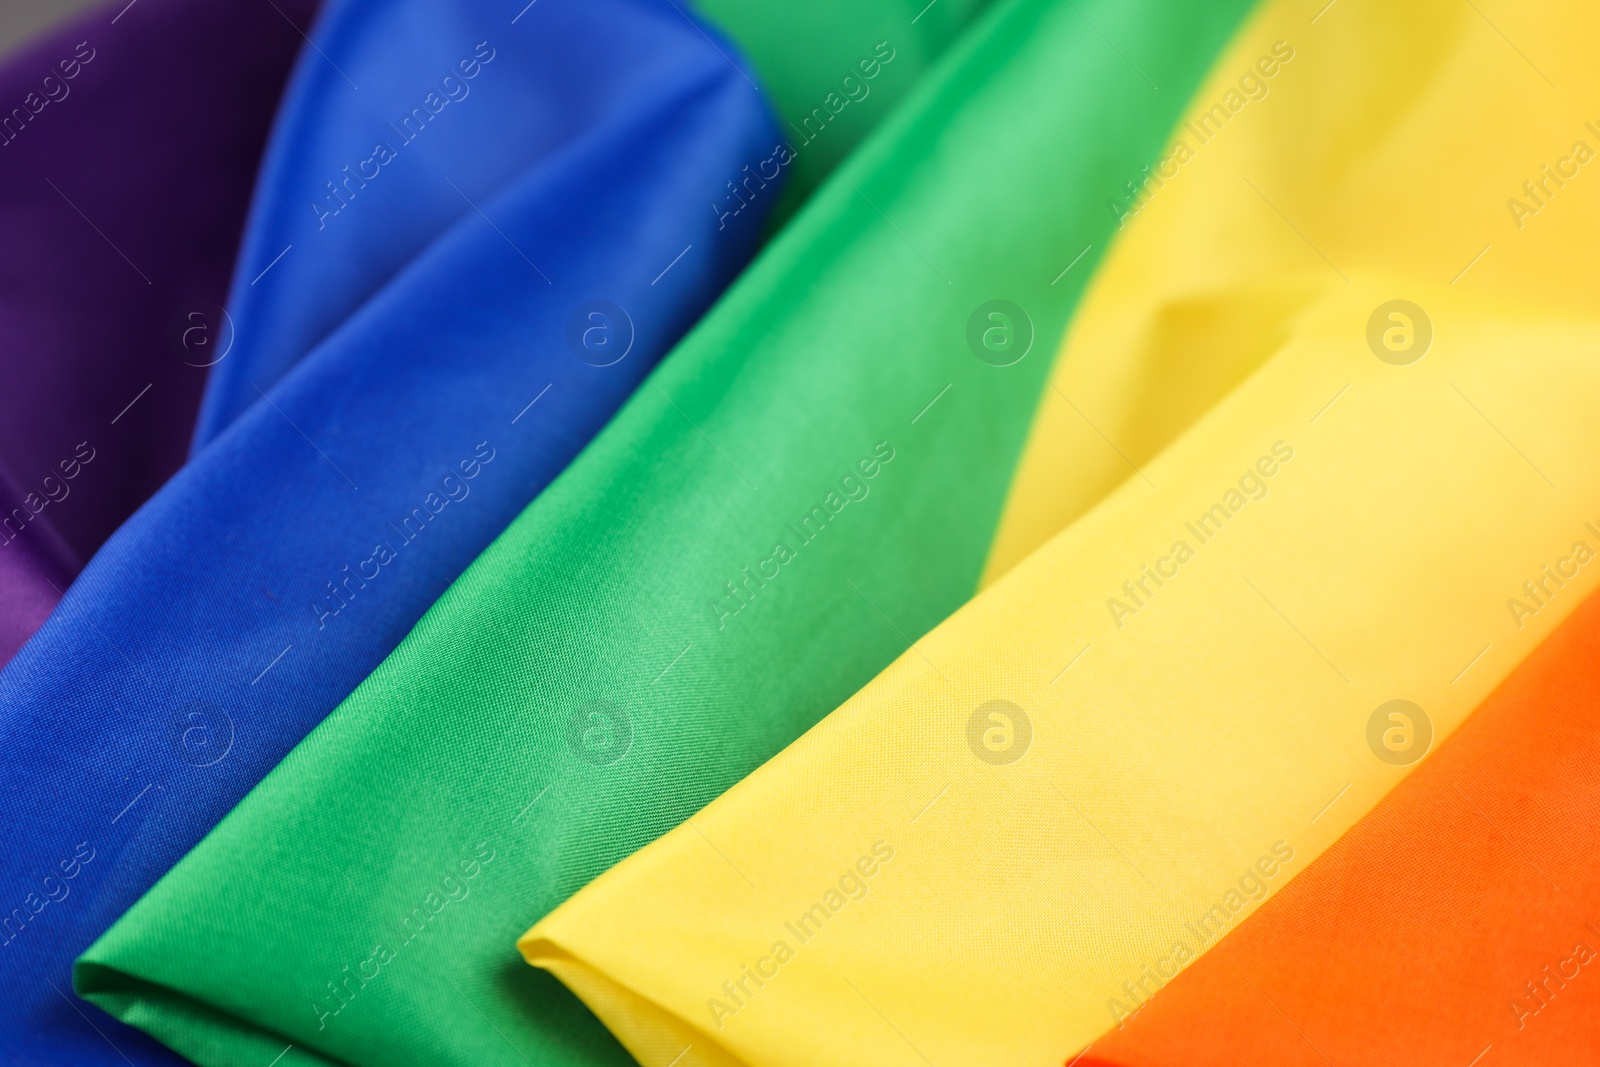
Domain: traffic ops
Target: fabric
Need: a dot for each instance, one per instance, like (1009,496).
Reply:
(264,581)
(1246,185)
(26,19)
(36,566)
(594,677)
(1467,895)
(1085,777)
(112,276)
(834,70)
(337,214)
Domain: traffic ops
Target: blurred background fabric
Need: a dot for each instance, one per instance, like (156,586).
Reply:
(21,20)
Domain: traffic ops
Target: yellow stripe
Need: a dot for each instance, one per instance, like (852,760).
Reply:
(1191,743)
(1389,146)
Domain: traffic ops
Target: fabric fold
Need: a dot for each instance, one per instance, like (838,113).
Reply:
(263,582)
(834,70)
(813,475)
(368,166)
(1075,786)
(112,276)
(1034,810)
(1467,894)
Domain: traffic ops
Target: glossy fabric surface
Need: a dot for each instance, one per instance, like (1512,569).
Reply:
(826,439)
(1082,779)
(263,582)
(128,145)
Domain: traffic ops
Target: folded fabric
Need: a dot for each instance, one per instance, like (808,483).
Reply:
(1078,783)
(37,565)
(970,862)
(834,69)
(112,273)
(1267,149)
(814,474)
(1467,896)
(291,554)
(358,181)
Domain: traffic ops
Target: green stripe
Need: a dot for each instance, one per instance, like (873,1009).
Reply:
(814,58)
(995,174)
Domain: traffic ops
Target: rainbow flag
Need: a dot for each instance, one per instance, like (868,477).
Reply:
(1107,585)
(1172,700)
(474,233)
(814,473)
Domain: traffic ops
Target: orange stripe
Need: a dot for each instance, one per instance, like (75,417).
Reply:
(1416,937)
